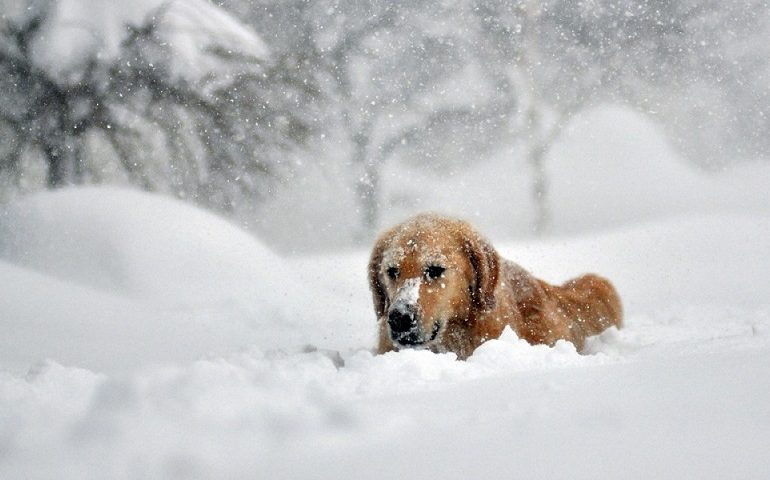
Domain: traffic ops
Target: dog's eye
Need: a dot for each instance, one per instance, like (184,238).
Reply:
(434,271)
(393,273)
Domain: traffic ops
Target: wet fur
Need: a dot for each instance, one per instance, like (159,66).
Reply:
(482,292)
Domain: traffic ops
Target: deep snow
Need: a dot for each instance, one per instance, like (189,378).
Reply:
(143,338)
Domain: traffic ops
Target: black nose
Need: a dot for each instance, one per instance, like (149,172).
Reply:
(400,322)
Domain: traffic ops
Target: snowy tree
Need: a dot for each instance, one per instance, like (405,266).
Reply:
(177,97)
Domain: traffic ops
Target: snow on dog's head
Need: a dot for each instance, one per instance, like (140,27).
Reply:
(428,275)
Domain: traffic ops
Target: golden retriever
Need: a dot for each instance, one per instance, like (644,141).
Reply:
(437,284)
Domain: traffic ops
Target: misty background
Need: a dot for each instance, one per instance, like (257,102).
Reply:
(317,123)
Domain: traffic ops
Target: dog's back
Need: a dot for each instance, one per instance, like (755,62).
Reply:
(573,311)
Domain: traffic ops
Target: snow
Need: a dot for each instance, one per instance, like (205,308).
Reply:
(144,338)
(141,337)
(77,31)
(135,244)
(197,29)
(408,295)
(136,278)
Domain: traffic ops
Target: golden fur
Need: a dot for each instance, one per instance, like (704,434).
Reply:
(478,293)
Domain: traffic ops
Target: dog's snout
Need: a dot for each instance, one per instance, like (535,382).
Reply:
(400,321)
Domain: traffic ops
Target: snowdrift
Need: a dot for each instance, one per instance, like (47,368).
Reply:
(112,279)
(143,338)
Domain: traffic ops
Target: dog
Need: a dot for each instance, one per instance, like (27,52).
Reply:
(437,284)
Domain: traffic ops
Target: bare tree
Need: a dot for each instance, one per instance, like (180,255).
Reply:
(385,69)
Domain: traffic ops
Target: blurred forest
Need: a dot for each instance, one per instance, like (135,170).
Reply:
(233,103)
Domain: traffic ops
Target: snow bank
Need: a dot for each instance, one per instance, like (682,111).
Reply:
(615,167)
(139,245)
(113,279)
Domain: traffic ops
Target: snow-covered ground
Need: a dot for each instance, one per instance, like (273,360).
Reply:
(143,338)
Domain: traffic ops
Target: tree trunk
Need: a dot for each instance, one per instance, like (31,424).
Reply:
(540,140)
(367,188)
(368,191)
(536,159)
(56,168)
(536,150)
(64,163)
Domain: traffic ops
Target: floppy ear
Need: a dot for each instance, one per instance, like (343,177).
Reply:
(375,283)
(486,266)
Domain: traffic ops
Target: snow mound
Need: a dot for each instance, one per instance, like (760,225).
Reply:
(249,403)
(509,353)
(137,244)
(113,279)
(614,166)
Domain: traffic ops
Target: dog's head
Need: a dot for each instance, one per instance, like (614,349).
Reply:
(427,273)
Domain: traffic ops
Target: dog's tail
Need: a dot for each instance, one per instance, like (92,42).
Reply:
(602,292)
(601,300)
